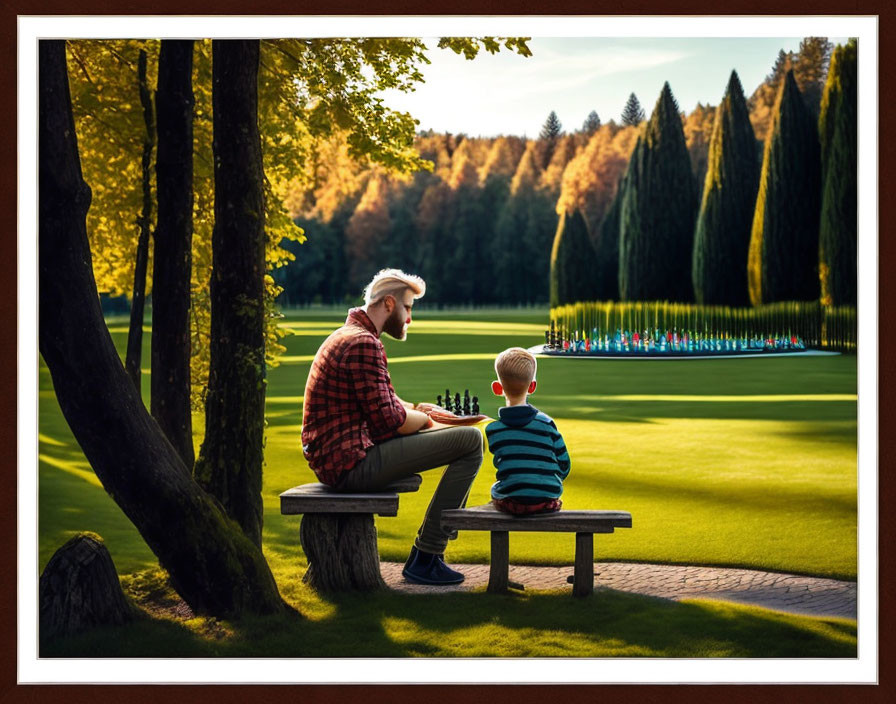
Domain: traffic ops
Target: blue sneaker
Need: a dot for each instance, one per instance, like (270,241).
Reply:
(427,568)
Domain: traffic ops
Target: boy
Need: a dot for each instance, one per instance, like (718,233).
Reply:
(529,453)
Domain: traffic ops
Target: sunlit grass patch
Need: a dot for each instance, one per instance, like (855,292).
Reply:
(749,463)
(473,624)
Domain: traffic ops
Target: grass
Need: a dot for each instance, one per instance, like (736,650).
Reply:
(478,624)
(739,462)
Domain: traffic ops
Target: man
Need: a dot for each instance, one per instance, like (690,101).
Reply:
(358,436)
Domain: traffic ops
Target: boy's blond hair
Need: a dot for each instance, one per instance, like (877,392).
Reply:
(516,369)
(392,282)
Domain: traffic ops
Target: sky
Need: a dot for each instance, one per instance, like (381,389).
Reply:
(510,94)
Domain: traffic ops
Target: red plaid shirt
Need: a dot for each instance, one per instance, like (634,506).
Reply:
(350,404)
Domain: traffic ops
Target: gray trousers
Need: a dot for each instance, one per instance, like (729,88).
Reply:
(460,448)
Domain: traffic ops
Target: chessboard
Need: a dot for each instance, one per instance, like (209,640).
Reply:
(454,410)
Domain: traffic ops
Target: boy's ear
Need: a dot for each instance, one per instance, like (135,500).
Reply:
(497,389)
(532,386)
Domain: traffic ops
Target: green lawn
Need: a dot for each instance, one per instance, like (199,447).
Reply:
(478,624)
(739,462)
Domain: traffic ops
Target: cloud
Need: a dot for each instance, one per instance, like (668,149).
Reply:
(606,60)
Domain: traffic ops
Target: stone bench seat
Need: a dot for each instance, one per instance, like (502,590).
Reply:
(583,523)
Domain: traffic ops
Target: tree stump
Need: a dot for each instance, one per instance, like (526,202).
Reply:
(342,552)
(80,589)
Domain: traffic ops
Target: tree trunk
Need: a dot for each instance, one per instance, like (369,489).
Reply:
(135,332)
(170,400)
(342,552)
(230,461)
(212,564)
(79,589)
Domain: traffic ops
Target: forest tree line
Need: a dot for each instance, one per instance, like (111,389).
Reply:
(484,224)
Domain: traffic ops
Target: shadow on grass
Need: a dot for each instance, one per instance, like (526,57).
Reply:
(829,434)
(754,496)
(649,410)
(478,624)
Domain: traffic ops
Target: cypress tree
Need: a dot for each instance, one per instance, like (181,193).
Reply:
(783,257)
(573,261)
(608,250)
(632,113)
(722,237)
(656,235)
(838,227)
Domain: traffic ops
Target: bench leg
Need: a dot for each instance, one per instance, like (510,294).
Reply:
(342,552)
(500,562)
(583,583)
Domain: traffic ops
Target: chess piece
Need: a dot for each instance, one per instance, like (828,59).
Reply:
(475,407)
(466,402)
(457,407)
(447,400)
(439,400)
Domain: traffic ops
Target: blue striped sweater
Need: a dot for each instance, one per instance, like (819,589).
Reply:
(529,455)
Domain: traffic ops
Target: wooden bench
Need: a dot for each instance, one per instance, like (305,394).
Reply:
(338,533)
(583,523)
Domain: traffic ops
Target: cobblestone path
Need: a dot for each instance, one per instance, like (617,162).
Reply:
(813,596)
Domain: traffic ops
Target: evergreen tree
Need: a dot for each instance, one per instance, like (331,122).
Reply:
(538,235)
(465,276)
(811,68)
(838,226)
(591,124)
(366,231)
(547,139)
(434,225)
(552,176)
(698,128)
(402,245)
(523,232)
(591,177)
(722,237)
(551,128)
(303,280)
(762,102)
(507,247)
(783,63)
(656,235)
(492,196)
(607,274)
(573,261)
(632,113)
(783,257)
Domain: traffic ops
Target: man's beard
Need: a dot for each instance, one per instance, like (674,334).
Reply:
(394,325)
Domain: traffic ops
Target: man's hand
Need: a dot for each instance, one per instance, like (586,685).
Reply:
(415,421)
(427,408)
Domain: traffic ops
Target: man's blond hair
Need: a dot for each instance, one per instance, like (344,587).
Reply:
(393,282)
(516,369)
